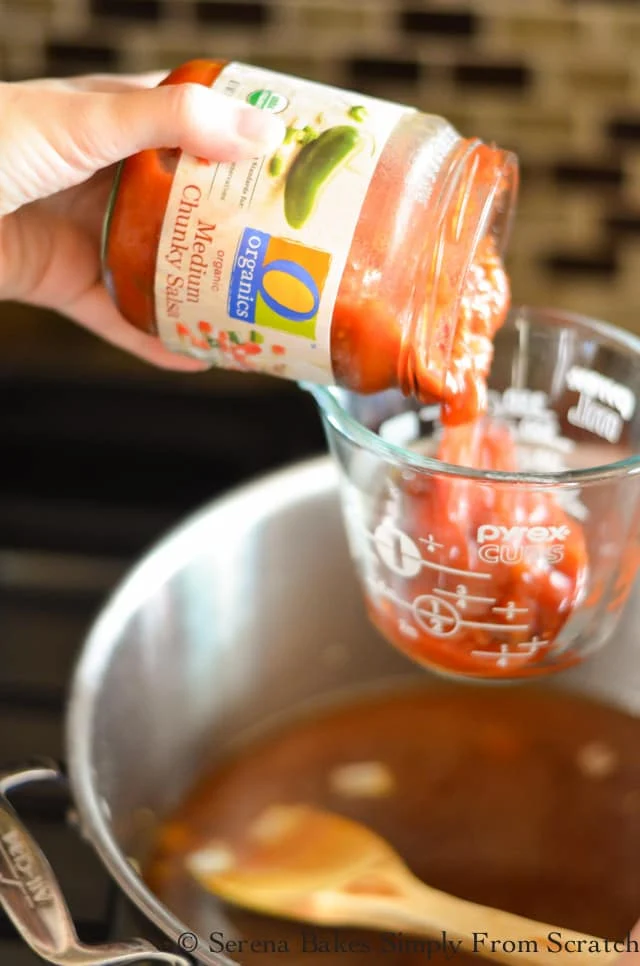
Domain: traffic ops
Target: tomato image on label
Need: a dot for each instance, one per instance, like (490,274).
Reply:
(277,283)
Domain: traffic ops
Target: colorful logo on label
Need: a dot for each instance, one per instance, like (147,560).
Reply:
(277,283)
(268,101)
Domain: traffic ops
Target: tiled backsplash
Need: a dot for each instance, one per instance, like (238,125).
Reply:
(558,81)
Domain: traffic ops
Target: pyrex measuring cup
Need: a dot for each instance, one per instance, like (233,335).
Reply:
(511,572)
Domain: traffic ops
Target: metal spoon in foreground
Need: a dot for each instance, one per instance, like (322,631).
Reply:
(298,862)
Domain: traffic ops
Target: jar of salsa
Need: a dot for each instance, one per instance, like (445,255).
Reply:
(365,251)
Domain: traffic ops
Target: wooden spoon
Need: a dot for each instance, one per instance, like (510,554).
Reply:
(298,862)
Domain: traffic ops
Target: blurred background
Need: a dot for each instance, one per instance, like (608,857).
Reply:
(558,81)
(100,454)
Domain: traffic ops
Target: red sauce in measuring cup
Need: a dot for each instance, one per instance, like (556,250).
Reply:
(481,576)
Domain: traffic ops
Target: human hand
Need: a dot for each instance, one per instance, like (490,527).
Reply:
(59,140)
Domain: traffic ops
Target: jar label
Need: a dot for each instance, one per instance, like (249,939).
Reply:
(252,253)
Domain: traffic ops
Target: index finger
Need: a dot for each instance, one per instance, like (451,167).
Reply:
(98,83)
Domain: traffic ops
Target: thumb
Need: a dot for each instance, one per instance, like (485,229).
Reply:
(53,139)
(188,116)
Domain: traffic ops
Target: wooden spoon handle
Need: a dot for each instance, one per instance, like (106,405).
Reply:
(460,926)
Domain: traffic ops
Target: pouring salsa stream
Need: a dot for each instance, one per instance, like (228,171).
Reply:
(417,300)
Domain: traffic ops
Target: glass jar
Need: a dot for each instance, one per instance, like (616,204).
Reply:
(364,252)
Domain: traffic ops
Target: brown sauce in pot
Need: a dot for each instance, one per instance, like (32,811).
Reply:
(524,800)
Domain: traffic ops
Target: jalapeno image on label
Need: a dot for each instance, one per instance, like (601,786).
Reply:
(317,162)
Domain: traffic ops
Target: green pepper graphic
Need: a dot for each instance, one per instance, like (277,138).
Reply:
(276,165)
(358,112)
(313,167)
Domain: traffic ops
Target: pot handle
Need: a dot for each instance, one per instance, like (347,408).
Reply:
(33,900)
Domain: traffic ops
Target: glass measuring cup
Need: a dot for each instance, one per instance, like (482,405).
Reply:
(511,572)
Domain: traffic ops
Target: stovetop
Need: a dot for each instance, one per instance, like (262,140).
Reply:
(94,471)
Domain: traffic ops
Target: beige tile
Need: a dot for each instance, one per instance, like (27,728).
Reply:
(29,8)
(522,31)
(23,60)
(144,55)
(599,79)
(72,17)
(311,69)
(333,18)
(531,130)
(631,166)
(629,276)
(626,34)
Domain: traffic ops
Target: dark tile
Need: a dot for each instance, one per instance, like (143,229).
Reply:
(367,69)
(440,23)
(248,14)
(624,129)
(26,733)
(532,173)
(45,802)
(626,223)
(42,699)
(64,59)
(597,175)
(127,9)
(16,952)
(603,265)
(515,76)
(27,665)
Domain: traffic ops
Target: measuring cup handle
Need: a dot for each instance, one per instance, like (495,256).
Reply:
(32,898)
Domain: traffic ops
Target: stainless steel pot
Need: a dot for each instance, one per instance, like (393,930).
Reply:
(248,611)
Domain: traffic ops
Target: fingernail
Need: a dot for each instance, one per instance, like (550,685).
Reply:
(260,127)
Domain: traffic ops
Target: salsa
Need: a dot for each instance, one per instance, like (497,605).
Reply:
(372,350)
(419,300)
(524,557)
